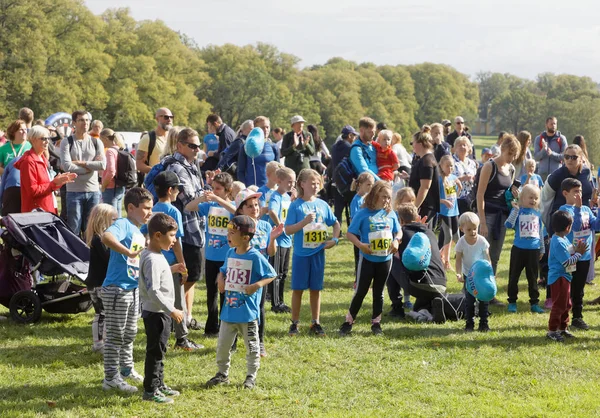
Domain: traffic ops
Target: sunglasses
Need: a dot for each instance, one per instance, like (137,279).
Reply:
(45,139)
(168,116)
(571,157)
(192,146)
(460,123)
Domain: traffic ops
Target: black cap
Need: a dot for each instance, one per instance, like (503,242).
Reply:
(166,179)
(243,223)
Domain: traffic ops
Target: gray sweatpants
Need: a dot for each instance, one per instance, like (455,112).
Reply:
(227,333)
(121,310)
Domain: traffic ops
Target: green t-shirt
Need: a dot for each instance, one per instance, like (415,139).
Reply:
(7,154)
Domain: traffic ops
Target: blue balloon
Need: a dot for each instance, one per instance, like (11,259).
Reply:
(481,282)
(417,255)
(255,143)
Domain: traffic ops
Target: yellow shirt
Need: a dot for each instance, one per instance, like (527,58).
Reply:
(158,148)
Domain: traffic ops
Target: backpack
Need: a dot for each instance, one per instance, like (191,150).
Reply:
(126,170)
(151,146)
(544,137)
(154,171)
(344,174)
(71,140)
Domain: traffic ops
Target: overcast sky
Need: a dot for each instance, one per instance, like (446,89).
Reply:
(522,37)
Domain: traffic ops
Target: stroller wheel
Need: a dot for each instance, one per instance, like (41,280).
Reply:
(25,307)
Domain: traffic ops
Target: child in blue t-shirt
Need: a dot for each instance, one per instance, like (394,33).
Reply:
(241,278)
(562,261)
(528,247)
(362,185)
(307,220)
(210,145)
(267,190)
(119,290)
(529,177)
(450,187)
(167,185)
(584,225)
(217,207)
(279,205)
(376,232)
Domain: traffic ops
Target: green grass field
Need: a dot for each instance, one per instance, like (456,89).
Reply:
(414,369)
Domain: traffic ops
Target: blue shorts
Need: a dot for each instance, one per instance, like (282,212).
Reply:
(308,272)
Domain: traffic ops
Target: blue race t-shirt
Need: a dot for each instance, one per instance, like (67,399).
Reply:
(528,229)
(217,219)
(376,228)
(262,237)
(584,223)
(355,205)
(535,179)
(560,251)
(264,199)
(280,204)
(212,142)
(240,270)
(122,271)
(449,191)
(173,212)
(311,239)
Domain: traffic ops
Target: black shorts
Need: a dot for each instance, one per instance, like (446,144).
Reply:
(193,261)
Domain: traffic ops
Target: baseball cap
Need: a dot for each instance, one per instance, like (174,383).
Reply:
(244,195)
(486,151)
(166,179)
(446,122)
(243,223)
(297,119)
(347,130)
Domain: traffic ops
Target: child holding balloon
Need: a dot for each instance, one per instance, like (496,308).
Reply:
(307,220)
(470,248)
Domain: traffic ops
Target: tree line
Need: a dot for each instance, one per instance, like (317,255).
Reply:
(56,55)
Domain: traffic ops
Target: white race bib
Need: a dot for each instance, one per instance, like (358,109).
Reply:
(285,206)
(218,219)
(239,273)
(571,268)
(138,242)
(529,226)
(380,242)
(314,234)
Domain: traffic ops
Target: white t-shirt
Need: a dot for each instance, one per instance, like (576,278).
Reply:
(471,253)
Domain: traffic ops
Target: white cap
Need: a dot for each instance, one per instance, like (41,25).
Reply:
(297,119)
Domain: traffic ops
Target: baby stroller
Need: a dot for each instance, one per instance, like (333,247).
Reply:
(40,242)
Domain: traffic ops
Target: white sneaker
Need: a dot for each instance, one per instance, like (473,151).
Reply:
(133,375)
(118,384)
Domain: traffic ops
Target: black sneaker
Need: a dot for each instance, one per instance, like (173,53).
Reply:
(211,334)
(496,302)
(219,379)
(187,345)
(555,336)
(376,329)
(276,309)
(483,327)
(567,334)
(579,323)
(284,308)
(345,329)
(396,313)
(249,383)
(293,330)
(437,310)
(317,330)
(470,327)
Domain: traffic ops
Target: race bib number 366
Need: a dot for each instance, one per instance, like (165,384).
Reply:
(238,274)
(218,219)
(315,234)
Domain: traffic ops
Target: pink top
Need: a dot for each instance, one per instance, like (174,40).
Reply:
(111,165)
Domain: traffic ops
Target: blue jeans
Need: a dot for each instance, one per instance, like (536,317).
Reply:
(79,206)
(114,197)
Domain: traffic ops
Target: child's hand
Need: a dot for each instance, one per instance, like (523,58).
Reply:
(277,231)
(310,218)
(294,193)
(514,204)
(221,283)
(133,254)
(394,246)
(365,248)
(209,196)
(423,219)
(404,175)
(329,244)
(447,203)
(177,315)
(179,268)
(541,255)
(460,278)
(252,288)
(581,247)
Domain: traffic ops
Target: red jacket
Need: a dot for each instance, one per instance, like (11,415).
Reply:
(36,187)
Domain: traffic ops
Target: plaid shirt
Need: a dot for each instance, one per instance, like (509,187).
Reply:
(189,176)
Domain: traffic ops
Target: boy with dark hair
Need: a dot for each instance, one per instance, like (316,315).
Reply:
(582,230)
(119,290)
(167,185)
(157,298)
(243,275)
(562,261)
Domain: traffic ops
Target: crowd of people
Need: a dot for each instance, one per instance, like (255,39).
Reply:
(213,211)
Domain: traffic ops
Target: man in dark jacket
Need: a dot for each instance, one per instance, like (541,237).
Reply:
(226,135)
(339,151)
(459,125)
(297,145)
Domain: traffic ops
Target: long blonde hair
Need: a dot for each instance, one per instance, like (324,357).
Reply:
(101,217)
(304,175)
(171,145)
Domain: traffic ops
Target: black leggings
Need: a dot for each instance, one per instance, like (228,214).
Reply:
(370,272)
(281,263)
(523,259)
(212,293)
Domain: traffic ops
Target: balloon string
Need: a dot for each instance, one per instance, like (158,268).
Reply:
(254,166)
